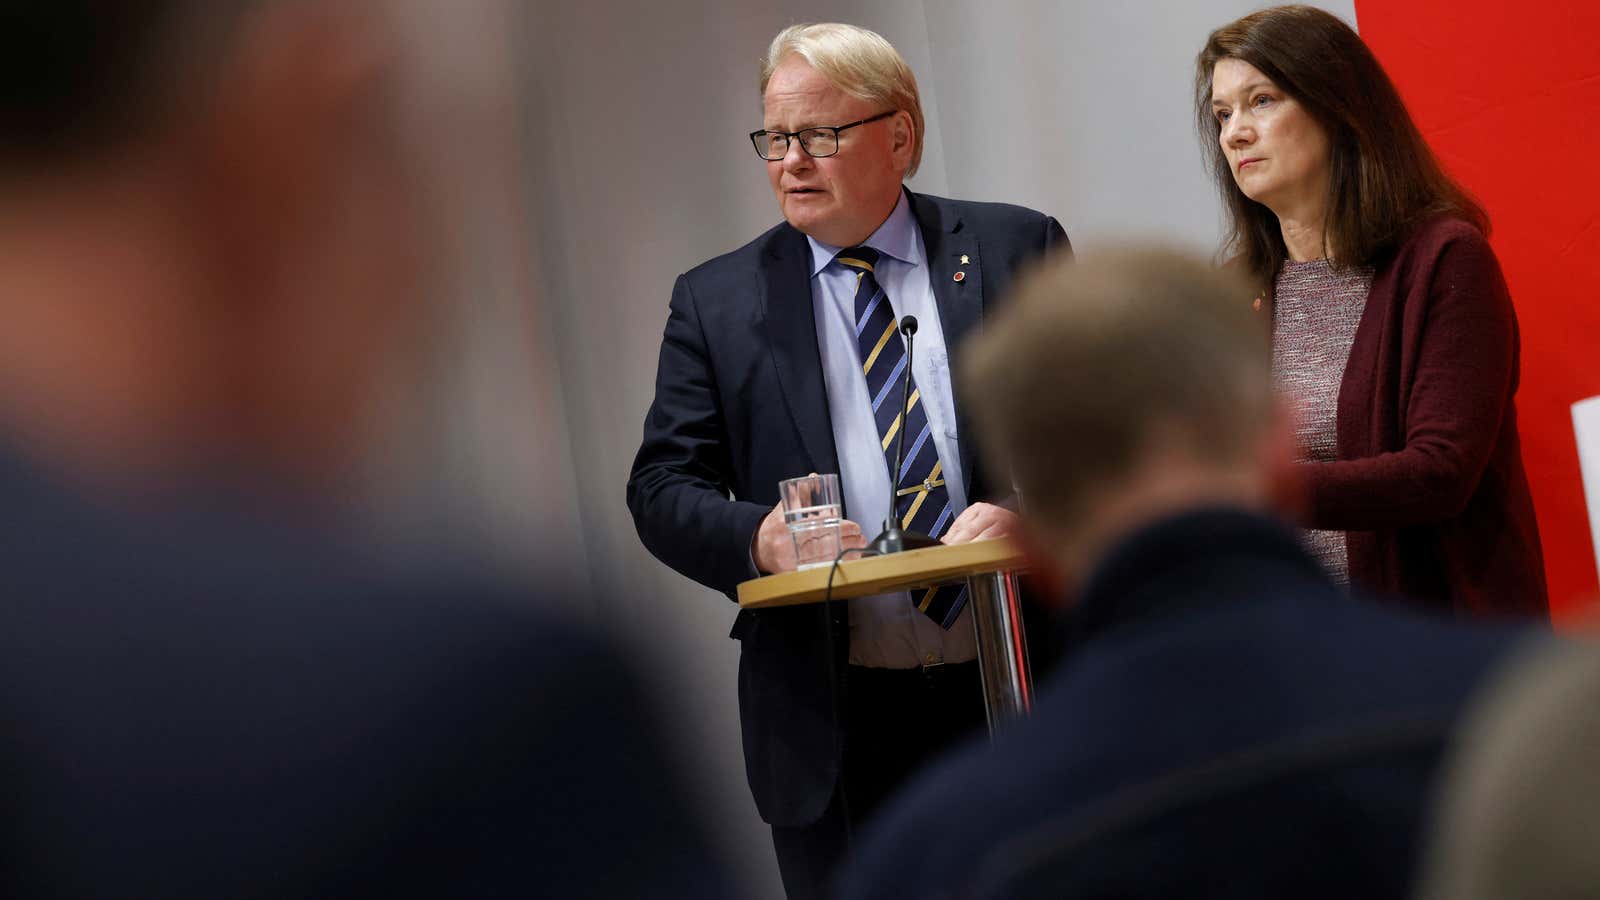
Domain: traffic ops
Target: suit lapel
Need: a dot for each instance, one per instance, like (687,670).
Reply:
(785,292)
(947,240)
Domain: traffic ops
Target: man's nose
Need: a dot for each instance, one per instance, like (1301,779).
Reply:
(796,159)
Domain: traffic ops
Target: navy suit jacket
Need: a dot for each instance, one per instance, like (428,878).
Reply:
(740,405)
(1228,723)
(200,704)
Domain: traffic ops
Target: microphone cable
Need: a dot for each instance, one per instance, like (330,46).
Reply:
(833,677)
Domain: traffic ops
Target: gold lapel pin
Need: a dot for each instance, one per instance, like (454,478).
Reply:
(964,259)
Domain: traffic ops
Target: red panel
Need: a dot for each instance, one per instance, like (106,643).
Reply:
(1509,96)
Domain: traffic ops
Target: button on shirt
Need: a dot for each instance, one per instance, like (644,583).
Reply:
(886,631)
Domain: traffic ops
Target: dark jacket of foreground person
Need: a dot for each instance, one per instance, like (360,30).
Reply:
(1228,723)
(196,705)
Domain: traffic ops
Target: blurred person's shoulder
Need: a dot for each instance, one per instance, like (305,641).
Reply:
(445,729)
(200,545)
(1382,684)
(1069,789)
(225,586)
(1398,623)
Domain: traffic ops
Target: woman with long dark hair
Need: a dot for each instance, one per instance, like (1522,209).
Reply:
(1392,326)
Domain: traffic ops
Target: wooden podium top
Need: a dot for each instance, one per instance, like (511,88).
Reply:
(881,574)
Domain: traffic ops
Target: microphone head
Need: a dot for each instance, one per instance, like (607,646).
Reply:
(908,325)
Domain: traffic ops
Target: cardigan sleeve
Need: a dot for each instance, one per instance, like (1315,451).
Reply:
(1456,394)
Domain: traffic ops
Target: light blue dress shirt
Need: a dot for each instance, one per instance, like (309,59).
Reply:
(886,631)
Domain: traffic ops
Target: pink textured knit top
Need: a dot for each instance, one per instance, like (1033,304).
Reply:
(1314,324)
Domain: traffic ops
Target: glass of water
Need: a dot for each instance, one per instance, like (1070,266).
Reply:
(812,510)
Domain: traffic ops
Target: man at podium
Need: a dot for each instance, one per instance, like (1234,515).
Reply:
(783,358)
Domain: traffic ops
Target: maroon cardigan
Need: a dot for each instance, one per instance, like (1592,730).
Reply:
(1429,481)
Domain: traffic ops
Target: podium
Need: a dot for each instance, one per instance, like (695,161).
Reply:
(989,569)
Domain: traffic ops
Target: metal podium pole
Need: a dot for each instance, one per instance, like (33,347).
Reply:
(1002,647)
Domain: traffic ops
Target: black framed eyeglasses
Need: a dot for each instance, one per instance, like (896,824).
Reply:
(817,142)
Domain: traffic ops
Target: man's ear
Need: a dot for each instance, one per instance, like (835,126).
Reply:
(273,148)
(903,137)
(1279,449)
(1044,570)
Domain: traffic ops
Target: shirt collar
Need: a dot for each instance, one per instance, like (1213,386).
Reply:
(896,237)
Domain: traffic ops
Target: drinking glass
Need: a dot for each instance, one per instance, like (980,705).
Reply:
(812,510)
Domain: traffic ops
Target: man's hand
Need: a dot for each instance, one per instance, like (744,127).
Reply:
(980,522)
(772,549)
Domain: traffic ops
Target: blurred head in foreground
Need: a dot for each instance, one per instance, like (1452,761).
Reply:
(209,272)
(1124,388)
(208,251)
(1516,811)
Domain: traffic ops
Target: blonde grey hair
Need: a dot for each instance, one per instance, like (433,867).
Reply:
(857,61)
(1091,362)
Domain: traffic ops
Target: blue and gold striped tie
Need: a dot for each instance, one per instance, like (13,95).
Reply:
(921,501)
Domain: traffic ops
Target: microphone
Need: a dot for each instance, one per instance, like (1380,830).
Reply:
(892,539)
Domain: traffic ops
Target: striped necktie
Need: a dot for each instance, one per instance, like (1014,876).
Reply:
(921,501)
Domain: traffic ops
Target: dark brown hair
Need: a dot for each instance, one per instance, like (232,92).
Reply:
(1385,181)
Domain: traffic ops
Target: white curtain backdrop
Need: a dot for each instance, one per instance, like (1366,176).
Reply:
(634,117)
